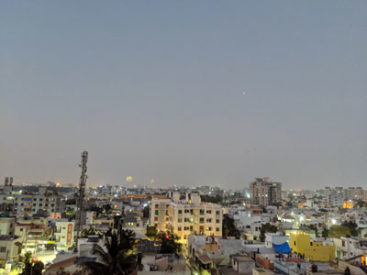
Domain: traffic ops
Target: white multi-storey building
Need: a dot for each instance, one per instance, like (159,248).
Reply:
(185,217)
(64,234)
(22,204)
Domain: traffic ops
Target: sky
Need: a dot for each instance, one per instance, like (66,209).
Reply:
(154,90)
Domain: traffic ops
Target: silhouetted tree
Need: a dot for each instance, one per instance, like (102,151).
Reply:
(31,268)
(265,228)
(169,243)
(146,212)
(115,259)
(152,232)
(229,228)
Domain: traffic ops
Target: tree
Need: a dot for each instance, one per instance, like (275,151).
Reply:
(106,209)
(339,231)
(265,228)
(116,258)
(152,232)
(313,228)
(325,232)
(169,243)
(116,221)
(360,204)
(229,228)
(146,212)
(353,227)
(37,268)
(31,268)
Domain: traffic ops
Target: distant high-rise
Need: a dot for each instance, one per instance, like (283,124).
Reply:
(265,192)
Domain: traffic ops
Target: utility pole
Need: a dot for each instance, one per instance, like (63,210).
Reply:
(81,197)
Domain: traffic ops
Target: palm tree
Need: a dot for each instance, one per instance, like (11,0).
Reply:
(115,258)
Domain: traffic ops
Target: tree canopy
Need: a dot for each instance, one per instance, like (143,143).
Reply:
(229,228)
(169,243)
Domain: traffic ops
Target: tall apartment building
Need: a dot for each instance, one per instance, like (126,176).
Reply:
(335,196)
(185,217)
(27,204)
(265,192)
(354,193)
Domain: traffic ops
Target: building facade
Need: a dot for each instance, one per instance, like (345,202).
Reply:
(265,192)
(185,217)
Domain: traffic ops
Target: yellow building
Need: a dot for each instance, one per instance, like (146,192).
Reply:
(314,250)
(348,204)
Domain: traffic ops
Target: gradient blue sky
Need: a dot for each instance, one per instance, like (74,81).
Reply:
(153,89)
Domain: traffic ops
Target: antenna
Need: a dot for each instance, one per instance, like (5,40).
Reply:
(81,197)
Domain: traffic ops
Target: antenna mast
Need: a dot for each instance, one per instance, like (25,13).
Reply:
(81,197)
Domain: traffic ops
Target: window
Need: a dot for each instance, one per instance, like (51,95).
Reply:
(202,212)
(217,212)
(208,220)
(179,229)
(3,249)
(155,219)
(166,212)
(40,204)
(156,206)
(208,211)
(217,229)
(186,220)
(157,212)
(201,220)
(179,220)
(191,228)
(180,211)
(217,221)
(187,211)
(209,228)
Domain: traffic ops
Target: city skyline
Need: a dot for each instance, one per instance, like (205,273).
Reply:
(187,93)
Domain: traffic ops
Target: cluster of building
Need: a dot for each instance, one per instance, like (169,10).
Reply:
(261,229)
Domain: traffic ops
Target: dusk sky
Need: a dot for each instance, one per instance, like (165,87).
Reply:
(154,90)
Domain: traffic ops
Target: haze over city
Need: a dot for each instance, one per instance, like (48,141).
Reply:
(155,90)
